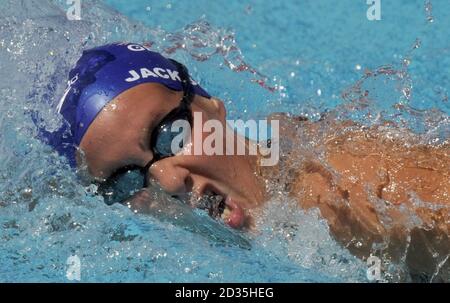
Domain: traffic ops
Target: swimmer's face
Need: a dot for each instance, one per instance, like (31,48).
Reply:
(121,135)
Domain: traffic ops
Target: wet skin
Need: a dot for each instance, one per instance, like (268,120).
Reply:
(120,136)
(377,185)
(359,167)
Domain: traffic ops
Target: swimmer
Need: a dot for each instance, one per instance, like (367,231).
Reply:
(381,193)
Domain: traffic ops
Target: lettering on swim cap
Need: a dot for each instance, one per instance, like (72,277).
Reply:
(193,81)
(159,71)
(174,75)
(156,72)
(136,48)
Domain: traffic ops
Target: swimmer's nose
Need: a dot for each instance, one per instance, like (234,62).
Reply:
(173,179)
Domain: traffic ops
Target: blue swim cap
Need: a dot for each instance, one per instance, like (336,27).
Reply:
(100,75)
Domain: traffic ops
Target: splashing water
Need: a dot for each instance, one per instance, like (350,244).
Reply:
(48,215)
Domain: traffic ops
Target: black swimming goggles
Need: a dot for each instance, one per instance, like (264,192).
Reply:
(128,180)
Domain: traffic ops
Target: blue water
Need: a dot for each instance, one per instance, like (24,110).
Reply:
(260,57)
(306,46)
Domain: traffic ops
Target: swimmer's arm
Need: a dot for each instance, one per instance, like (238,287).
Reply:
(361,174)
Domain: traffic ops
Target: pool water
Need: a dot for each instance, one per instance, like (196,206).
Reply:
(303,57)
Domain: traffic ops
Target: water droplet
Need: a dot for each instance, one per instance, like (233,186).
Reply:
(429,11)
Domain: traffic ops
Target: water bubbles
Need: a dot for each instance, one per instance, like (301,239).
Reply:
(27,193)
(429,11)
(358,67)
(406,92)
(67,36)
(248,9)
(214,275)
(92,189)
(308,244)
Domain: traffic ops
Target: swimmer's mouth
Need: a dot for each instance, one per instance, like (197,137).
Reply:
(221,207)
(213,203)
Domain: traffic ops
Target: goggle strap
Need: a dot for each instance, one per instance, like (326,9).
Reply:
(144,170)
(188,91)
